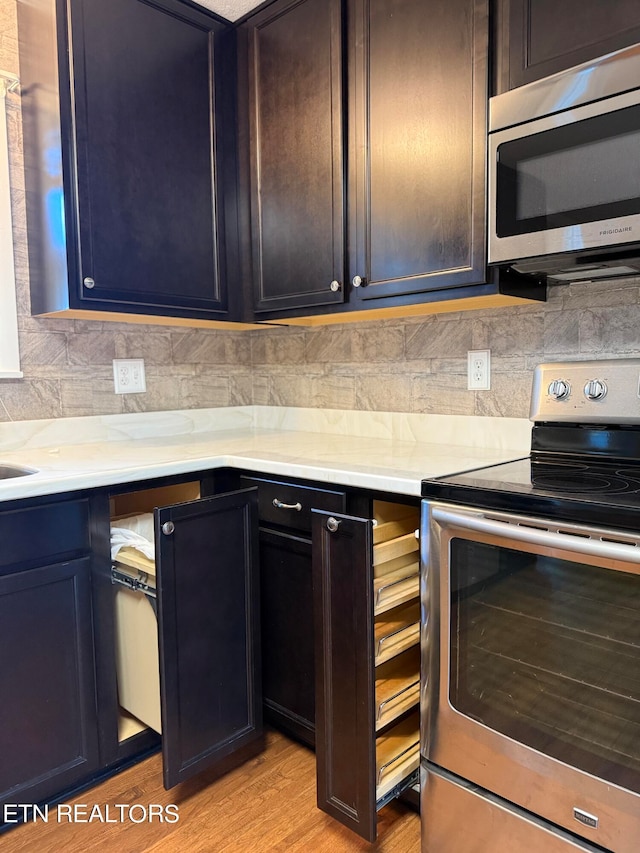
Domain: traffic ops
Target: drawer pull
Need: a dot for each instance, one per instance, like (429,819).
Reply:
(280,505)
(168,527)
(333,524)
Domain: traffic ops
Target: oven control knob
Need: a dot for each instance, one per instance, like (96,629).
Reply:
(595,389)
(559,389)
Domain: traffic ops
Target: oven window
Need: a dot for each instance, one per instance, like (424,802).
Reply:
(582,172)
(547,652)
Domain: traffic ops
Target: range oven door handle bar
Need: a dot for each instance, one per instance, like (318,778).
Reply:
(580,542)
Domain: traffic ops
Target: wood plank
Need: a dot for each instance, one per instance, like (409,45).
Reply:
(386,530)
(396,588)
(395,548)
(268,804)
(134,559)
(397,753)
(396,631)
(397,686)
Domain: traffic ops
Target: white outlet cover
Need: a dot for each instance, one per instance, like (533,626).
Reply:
(479,370)
(128,376)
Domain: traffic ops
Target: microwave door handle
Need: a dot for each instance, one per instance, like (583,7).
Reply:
(567,540)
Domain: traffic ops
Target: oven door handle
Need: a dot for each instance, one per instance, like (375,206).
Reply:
(579,540)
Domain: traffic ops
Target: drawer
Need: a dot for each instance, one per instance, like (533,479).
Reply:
(46,533)
(290,504)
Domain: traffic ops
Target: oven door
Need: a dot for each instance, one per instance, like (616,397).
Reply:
(567,182)
(532,673)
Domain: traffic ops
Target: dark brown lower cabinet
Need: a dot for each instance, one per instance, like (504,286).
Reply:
(288,670)
(103,659)
(48,729)
(180,635)
(286,592)
(366,588)
(48,720)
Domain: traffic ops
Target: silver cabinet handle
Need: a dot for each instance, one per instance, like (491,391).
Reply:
(335,286)
(89,282)
(333,524)
(168,527)
(279,505)
(357,281)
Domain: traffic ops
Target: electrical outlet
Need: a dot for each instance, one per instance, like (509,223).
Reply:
(128,375)
(479,370)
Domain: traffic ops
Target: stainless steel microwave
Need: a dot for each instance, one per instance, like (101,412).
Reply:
(564,172)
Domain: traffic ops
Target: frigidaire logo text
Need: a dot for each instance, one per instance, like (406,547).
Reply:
(615,231)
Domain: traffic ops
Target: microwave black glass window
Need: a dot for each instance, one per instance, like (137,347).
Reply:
(586,171)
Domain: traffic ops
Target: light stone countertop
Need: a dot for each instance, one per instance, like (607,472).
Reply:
(386,452)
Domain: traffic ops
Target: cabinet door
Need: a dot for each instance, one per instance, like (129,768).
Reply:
(146,157)
(295,123)
(208,627)
(368,661)
(48,725)
(542,37)
(343,612)
(417,144)
(287,632)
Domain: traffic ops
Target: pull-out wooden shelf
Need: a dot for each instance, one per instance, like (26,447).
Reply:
(396,631)
(397,686)
(366,580)
(397,754)
(397,587)
(396,564)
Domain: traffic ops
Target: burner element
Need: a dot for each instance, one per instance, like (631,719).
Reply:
(578,483)
(582,478)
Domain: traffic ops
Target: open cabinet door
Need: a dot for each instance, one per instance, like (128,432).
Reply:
(366,586)
(345,745)
(208,624)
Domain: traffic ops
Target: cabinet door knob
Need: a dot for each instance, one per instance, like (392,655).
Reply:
(358,281)
(335,286)
(89,282)
(279,505)
(168,527)
(333,524)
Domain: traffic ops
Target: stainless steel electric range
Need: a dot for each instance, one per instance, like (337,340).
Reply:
(531,631)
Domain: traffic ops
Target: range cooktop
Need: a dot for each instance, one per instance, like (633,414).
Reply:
(595,492)
(585,459)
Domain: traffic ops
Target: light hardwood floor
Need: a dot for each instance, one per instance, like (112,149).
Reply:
(268,804)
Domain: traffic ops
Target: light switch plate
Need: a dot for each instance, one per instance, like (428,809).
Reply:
(128,376)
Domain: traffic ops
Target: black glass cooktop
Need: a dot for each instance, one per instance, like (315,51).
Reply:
(594,490)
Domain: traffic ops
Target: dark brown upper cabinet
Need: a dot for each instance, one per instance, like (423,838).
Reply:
(417,144)
(386,101)
(294,68)
(131,158)
(536,38)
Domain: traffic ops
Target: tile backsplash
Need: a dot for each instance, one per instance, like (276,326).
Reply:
(415,365)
